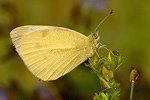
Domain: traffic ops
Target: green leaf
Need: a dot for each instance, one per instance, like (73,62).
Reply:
(101,96)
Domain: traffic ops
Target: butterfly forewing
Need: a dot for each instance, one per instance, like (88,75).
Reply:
(50,52)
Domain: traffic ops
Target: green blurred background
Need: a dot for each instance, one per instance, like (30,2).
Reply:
(127,29)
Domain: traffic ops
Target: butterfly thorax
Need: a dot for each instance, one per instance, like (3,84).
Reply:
(91,48)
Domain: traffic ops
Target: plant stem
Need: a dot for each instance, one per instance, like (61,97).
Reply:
(104,81)
(131,92)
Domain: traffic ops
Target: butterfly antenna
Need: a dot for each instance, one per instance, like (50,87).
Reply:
(95,32)
(103,21)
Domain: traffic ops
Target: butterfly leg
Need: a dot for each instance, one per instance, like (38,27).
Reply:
(103,46)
